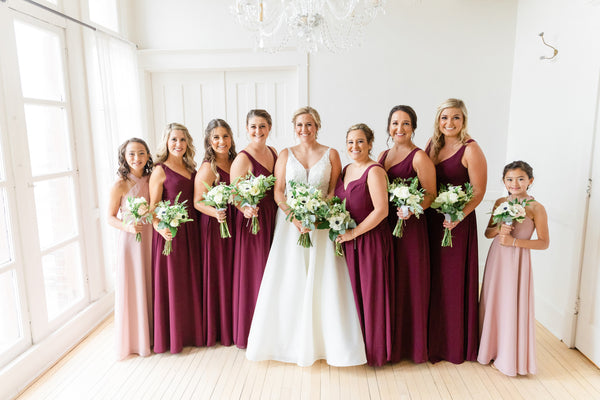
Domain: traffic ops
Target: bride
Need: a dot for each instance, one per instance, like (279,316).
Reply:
(305,309)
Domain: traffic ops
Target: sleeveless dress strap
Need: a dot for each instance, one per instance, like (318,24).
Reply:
(383,157)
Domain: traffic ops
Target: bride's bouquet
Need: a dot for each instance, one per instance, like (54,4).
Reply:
(338,220)
(406,195)
(137,211)
(249,191)
(170,217)
(307,205)
(451,201)
(509,211)
(218,197)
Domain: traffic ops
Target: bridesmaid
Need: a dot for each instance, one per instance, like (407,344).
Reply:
(453,319)
(506,311)
(177,278)
(410,279)
(368,247)
(251,251)
(133,288)
(217,252)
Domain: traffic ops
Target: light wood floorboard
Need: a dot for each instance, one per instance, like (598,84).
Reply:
(90,371)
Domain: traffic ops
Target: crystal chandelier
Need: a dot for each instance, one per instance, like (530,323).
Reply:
(333,24)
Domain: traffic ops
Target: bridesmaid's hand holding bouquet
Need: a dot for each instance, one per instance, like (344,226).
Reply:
(170,217)
(137,212)
(218,197)
(406,195)
(338,221)
(451,201)
(249,191)
(306,204)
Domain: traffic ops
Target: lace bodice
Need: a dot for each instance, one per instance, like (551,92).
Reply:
(317,176)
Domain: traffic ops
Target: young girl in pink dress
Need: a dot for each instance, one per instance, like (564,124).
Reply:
(133,280)
(506,312)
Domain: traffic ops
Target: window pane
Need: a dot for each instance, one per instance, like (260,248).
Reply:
(62,279)
(55,208)
(5,234)
(104,12)
(10,325)
(40,62)
(48,138)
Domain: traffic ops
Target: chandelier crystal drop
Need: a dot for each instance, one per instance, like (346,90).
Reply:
(334,24)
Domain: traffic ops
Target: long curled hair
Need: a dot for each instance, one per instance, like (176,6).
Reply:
(124,170)
(438,140)
(209,152)
(163,149)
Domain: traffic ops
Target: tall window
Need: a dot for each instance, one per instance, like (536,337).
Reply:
(52,175)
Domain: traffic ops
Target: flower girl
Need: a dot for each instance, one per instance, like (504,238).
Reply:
(506,311)
(133,281)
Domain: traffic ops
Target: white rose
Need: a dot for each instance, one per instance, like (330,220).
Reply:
(218,198)
(254,191)
(452,197)
(174,223)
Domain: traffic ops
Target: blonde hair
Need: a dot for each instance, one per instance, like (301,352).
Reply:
(163,149)
(438,139)
(310,111)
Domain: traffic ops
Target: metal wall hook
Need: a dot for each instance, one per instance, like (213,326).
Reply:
(552,47)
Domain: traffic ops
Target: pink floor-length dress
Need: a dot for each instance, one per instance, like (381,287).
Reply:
(177,278)
(409,277)
(133,283)
(217,267)
(369,258)
(454,310)
(506,310)
(251,253)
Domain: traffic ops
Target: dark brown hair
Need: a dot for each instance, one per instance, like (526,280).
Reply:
(518,165)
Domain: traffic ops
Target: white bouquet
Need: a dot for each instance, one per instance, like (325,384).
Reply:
(509,211)
(249,191)
(171,216)
(406,195)
(338,220)
(307,205)
(218,197)
(451,201)
(137,211)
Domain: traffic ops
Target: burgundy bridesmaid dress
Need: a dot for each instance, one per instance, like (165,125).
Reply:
(251,253)
(177,278)
(409,277)
(369,257)
(217,268)
(453,317)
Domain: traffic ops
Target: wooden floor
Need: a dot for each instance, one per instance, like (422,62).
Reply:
(91,372)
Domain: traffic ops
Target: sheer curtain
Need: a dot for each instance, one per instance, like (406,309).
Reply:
(116,115)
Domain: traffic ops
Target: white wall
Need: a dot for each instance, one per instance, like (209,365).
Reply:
(418,53)
(553,107)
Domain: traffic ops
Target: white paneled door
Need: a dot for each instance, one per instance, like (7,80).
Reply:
(587,338)
(194,98)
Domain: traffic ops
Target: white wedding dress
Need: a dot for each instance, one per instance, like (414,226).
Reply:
(305,309)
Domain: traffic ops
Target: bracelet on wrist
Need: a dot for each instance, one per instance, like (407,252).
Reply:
(514,241)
